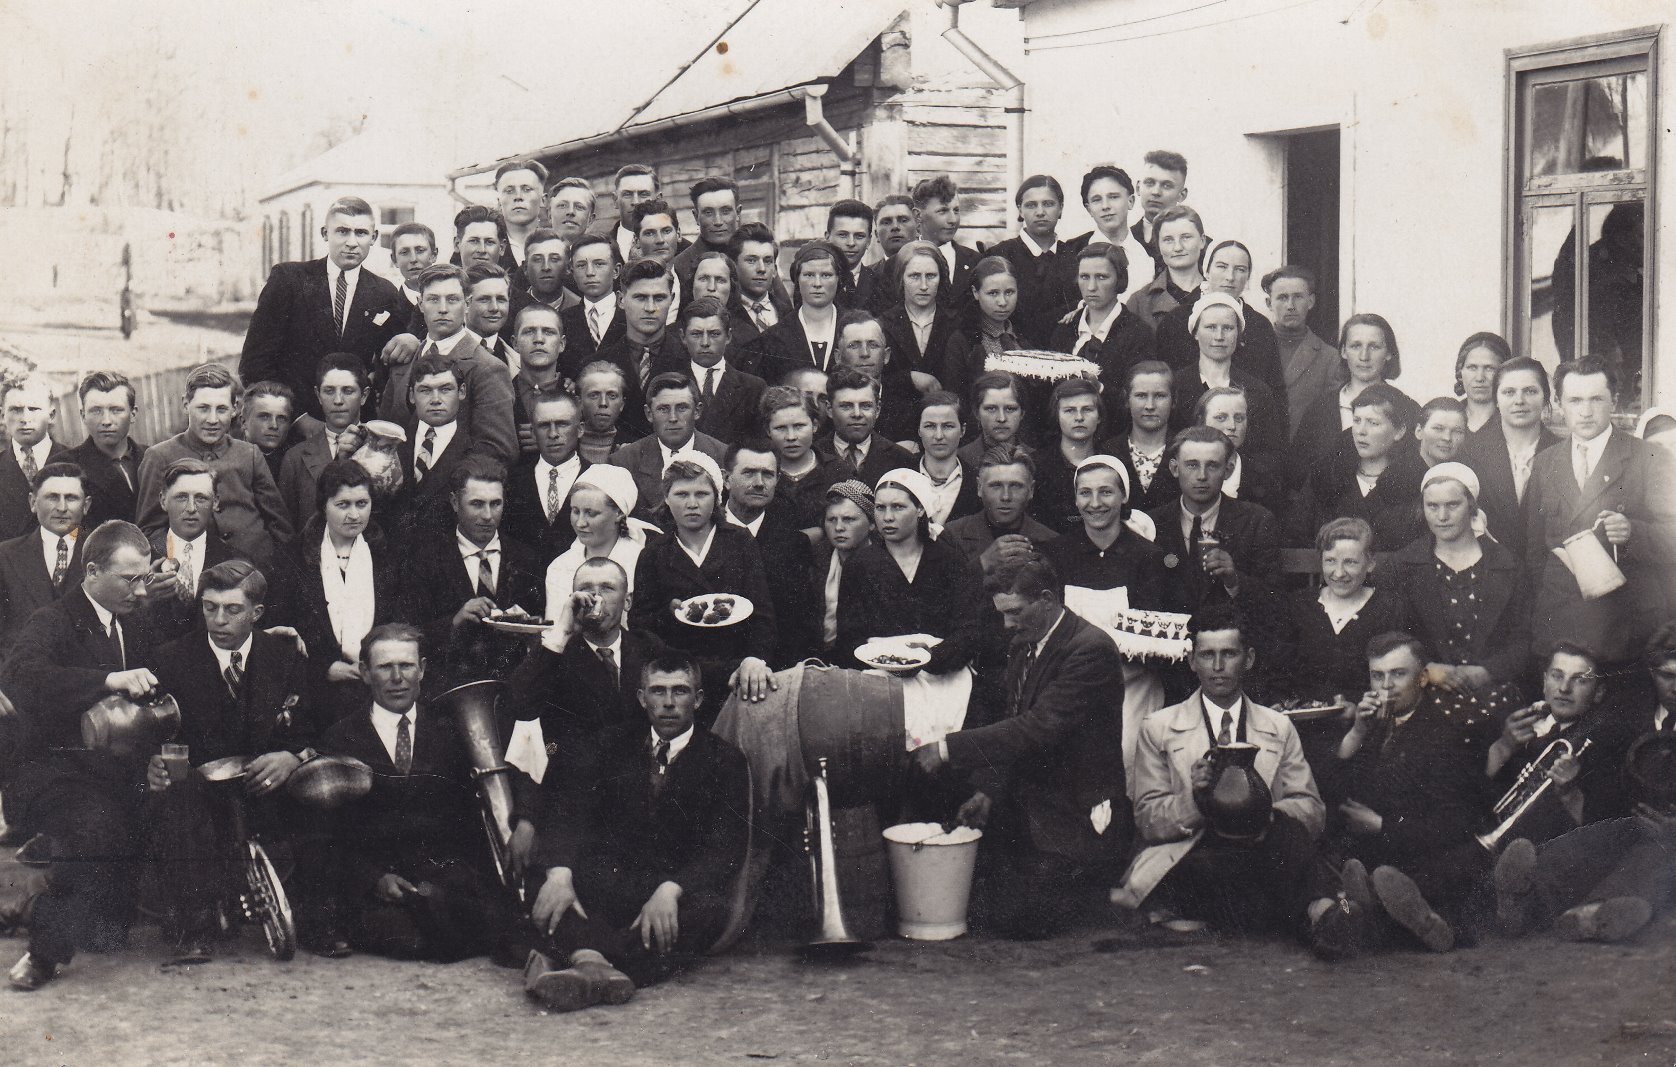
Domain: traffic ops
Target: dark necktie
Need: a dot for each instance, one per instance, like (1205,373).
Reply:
(853,454)
(1023,679)
(404,747)
(234,674)
(643,362)
(28,464)
(593,323)
(485,575)
(710,385)
(114,632)
(61,563)
(607,657)
(553,500)
(660,766)
(1194,536)
(422,464)
(338,297)
(1225,735)
(819,348)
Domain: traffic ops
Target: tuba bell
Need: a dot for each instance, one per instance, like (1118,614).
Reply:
(833,940)
(472,707)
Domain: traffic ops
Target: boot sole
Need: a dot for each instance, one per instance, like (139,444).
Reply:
(1403,902)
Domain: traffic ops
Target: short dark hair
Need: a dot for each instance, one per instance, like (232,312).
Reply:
(634,170)
(892,200)
(703,307)
(1200,435)
(103,381)
(472,214)
(670,380)
(655,206)
(642,269)
(1440,404)
(437,273)
(808,254)
(212,376)
(1585,365)
(749,444)
(1164,159)
(232,574)
(940,187)
(391,631)
(1525,363)
(59,470)
(1216,616)
(479,273)
(1147,366)
(111,536)
(1393,363)
(341,473)
(942,398)
(345,361)
(426,366)
(848,209)
(1039,181)
(407,229)
(672,663)
(848,378)
(1661,646)
(1106,170)
(478,469)
(1388,642)
(1007,454)
(531,165)
(1074,387)
(269,387)
(713,183)
(1117,257)
(1030,577)
(586,239)
(1287,270)
(749,233)
(349,205)
(856,317)
(1387,396)
(1574,648)
(995,379)
(186,468)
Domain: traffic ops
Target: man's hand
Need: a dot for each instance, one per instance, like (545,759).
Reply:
(1005,550)
(1360,819)
(1564,772)
(928,758)
(1220,565)
(753,680)
(1369,710)
(157,775)
(518,849)
(394,888)
(924,383)
(342,671)
(975,812)
(269,771)
(526,438)
(1201,773)
(557,896)
(137,682)
(1520,727)
(474,610)
(291,632)
(400,349)
(1615,526)
(659,920)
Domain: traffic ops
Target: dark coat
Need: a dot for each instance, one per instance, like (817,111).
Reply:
(627,354)
(524,518)
(26,583)
(1265,431)
(579,344)
(1502,641)
(933,359)
(731,415)
(788,561)
(1258,354)
(1057,752)
(112,494)
(883,456)
(644,460)
(1392,508)
(972,535)
(783,349)
(1047,285)
(16,517)
(1507,517)
(300,473)
(271,712)
(1128,341)
(425,505)
(293,327)
(945,599)
(1320,441)
(1132,562)
(438,583)
(1248,532)
(1312,662)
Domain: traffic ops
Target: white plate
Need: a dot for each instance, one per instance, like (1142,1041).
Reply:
(1312,713)
(872,651)
(513,626)
(742,609)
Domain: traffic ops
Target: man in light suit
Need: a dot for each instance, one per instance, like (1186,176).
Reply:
(29,416)
(672,407)
(1606,481)
(1310,364)
(340,390)
(40,566)
(1267,874)
(307,310)
(1047,775)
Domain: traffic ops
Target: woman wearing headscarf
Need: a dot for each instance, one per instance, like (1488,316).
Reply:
(700,555)
(1217,323)
(846,526)
(1227,270)
(601,504)
(1464,595)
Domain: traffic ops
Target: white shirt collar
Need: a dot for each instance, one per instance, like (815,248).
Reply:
(333,270)
(224,656)
(444,435)
(1215,711)
(1098,330)
(1034,247)
(671,455)
(606,304)
(446,345)
(842,447)
(49,541)
(615,645)
(699,372)
(385,722)
(676,744)
(755,525)
(103,613)
(1592,449)
(568,471)
(949,255)
(1231,484)
(469,549)
(1207,521)
(1659,717)
(39,451)
(1057,619)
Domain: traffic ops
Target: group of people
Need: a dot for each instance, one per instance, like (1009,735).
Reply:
(1003,458)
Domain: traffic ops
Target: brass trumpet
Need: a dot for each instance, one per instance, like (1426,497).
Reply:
(834,939)
(1531,785)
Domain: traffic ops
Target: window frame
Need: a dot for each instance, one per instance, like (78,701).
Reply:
(1621,52)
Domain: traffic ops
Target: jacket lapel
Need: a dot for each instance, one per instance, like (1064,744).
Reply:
(318,298)
(1613,459)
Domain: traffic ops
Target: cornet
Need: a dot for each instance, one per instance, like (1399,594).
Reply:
(1531,785)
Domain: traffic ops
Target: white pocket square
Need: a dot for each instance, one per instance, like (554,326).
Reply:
(381,318)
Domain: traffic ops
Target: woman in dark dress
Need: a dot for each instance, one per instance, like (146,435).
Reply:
(995,293)
(848,526)
(1150,397)
(906,583)
(1078,413)
(697,556)
(1368,347)
(1103,331)
(918,326)
(789,420)
(1379,481)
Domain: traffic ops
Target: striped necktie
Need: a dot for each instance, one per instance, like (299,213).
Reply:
(234,674)
(422,463)
(339,295)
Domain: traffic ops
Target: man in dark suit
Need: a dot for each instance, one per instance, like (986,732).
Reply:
(1604,480)
(340,391)
(29,414)
(189,544)
(241,693)
(727,395)
(109,458)
(644,294)
(436,444)
(1053,757)
(265,420)
(854,450)
(416,874)
(459,578)
(650,852)
(71,654)
(596,320)
(1044,266)
(752,473)
(1503,453)
(1003,532)
(763,301)
(715,200)
(324,305)
(672,408)
(937,216)
(538,488)
(39,567)
(849,229)
(1215,546)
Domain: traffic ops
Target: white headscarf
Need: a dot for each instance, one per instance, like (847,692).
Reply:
(615,482)
(1211,300)
(919,487)
(1460,472)
(1138,521)
(704,463)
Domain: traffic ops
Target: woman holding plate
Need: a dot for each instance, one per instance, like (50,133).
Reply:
(698,557)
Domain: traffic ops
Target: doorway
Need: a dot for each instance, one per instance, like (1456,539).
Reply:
(1312,215)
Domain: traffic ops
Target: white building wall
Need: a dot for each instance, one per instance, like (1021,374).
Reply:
(1418,89)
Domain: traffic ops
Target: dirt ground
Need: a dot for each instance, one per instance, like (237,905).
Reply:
(1107,994)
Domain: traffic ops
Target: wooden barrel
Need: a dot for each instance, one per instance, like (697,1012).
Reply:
(854,721)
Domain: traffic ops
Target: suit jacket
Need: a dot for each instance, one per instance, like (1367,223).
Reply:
(579,343)
(933,359)
(113,497)
(731,416)
(644,460)
(1312,371)
(958,295)
(16,517)
(26,582)
(623,840)
(250,513)
(438,583)
(300,473)
(626,354)
(168,617)
(425,504)
(293,327)
(787,559)
(408,822)
(271,711)
(524,519)
(1058,750)
(1247,531)
(742,328)
(972,535)
(1507,517)
(883,456)
(1501,643)
(485,416)
(1634,479)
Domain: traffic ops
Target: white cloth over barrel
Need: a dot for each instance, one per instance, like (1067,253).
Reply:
(933,705)
(1143,691)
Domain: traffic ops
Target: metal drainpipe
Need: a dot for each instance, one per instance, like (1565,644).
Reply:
(814,116)
(1001,76)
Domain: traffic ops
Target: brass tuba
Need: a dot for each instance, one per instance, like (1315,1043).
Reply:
(833,940)
(472,707)
(1532,784)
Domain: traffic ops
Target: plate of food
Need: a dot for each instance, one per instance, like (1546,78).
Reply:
(893,655)
(1301,710)
(515,620)
(712,610)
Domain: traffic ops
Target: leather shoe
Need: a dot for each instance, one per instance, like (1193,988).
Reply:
(331,944)
(565,990)
(1515,884)
(29,973)
(1613,919)
(610,986)
(1403,902)
(1336,934)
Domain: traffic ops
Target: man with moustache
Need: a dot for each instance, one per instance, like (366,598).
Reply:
(752,475)
(307,310)
(110,457)
(632,185)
